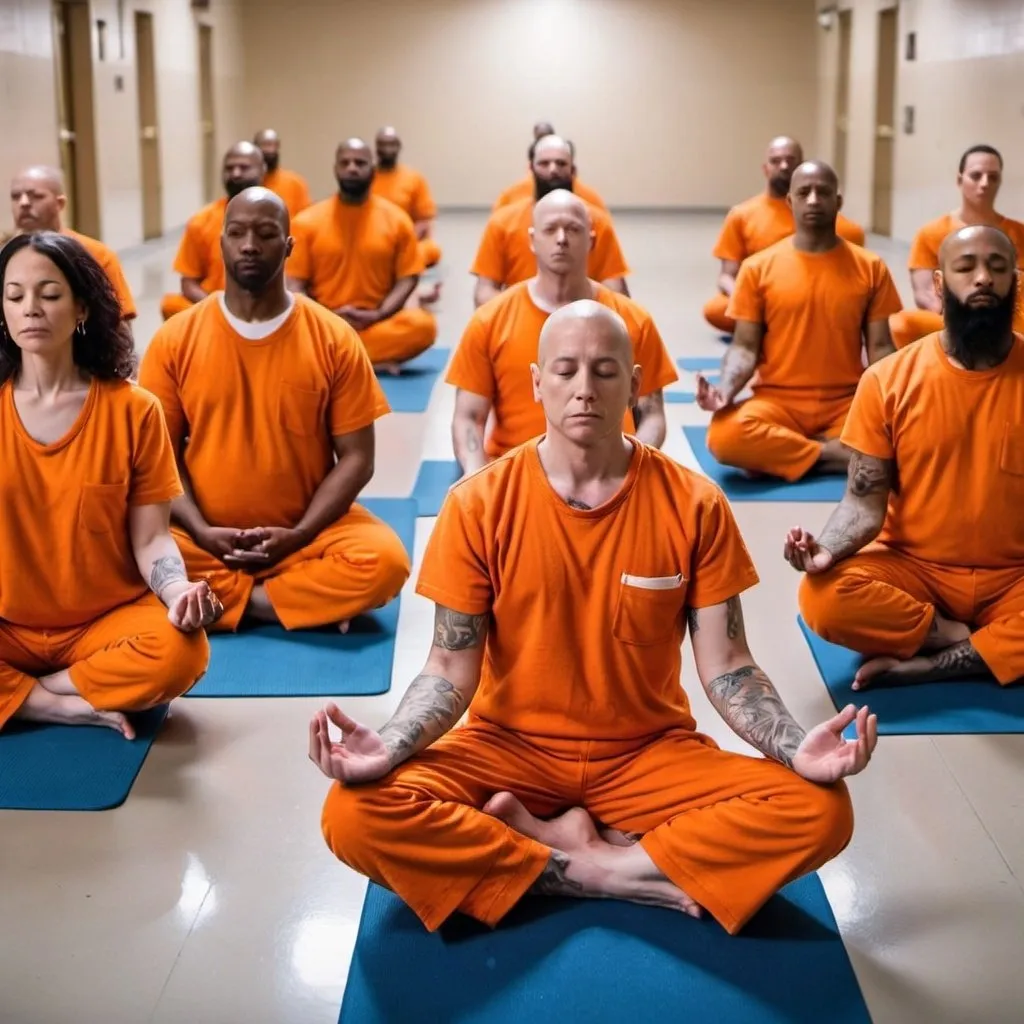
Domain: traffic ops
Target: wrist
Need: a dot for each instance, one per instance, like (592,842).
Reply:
(172,591)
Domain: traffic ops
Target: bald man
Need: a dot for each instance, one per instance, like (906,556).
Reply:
(269,516)
(358,255)
(407,189)
(38,201)
(491,365)
(921,567)
(527,187)
(291,187)
(505,258)
(563,576)
(199,261)
(759,222)
(806,309)
(979,177)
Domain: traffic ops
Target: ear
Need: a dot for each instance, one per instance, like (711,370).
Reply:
(593,240)
(839,201)
(529,231)
(81,312)
(62,202)
(789,200)
(289,244)
(938,281)
(535,377)
(959,179)
(635,384)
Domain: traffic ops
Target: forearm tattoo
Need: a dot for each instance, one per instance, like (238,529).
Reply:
(455,631)
(857,519)
(472,439)
(750,704)
(430,707)
(166,570)
(737,368)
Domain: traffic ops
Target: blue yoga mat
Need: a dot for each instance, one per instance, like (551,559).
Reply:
(431,487)
(268,661)
(553,961)
(410,390)
(72,767)
(739,487)
(951,708)
(698,364)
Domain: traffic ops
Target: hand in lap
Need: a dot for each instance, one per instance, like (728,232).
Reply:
(361,756)
(825,757)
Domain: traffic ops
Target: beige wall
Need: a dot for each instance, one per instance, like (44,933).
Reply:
(29,127)
(670,102)
(965,87)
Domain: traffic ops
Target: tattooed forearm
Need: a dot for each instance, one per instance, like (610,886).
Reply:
(734,620)
(430,707)
(472,439)
(738,367)
(455,631)
(858,518)
(553,880)
(166,570)
(869,476)
(753,709)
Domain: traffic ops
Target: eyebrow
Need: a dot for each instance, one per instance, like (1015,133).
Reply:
(47,280)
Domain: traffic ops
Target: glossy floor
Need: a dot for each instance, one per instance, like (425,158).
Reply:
(210,897)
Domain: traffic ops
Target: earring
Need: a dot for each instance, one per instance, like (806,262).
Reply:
(81,328)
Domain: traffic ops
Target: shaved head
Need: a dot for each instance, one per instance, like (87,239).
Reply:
(269,144)
(38,198)
(267,135)
(585,316)
(354,169)
(814,169)
(388,134)
(243,167)
(782,157)
(255,242)
(388,146)
(552,165)
(972,238)
(785,142)
(245,149)
(47,177)
(551,144)
(353,145)
(561,201)
(257,199)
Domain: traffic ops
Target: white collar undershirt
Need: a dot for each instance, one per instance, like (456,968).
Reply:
(257,330)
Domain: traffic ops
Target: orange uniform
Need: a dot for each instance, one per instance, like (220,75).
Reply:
(290,187)
(814,307)
(71,596)
(911,324)
(493,361)
(352,255)
(505,255)
(752,227)
(579,704)
(260,416)
(199,255)
(953,538)
(107,259)
(526,189)
(408,189)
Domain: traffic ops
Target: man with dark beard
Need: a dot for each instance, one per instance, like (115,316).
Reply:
(505,257)
(291,187)
(937,476)
(199,260)
(270,401)
(526,187)
(759,222)
(357,254)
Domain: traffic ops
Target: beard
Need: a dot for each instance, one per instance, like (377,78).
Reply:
(541,188)
(354,190)
(236,188)
(251,279)
(272,160)
(978,334)
(779,184)
(387,163)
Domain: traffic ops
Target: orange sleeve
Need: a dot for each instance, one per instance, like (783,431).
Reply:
(866,429)
(471,368)
(191,258)
(490,259)
(730,245)
(408,262)
(158,375)
(124,294)
(924,250)
(423,205)
(850,231)
(747,302)
(658,367)
(154,470)
(606,260)
(299,264)
(454,573)
(721,567)
(885,300)
(302,196)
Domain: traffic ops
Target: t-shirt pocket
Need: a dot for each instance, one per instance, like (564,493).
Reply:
(1011,457)
(648,609)
(300,410)
(103,508)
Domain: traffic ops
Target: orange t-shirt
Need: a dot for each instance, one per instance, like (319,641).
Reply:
(586,607)
(505,255)
(763,220)
(290,187)
(260,415)
(199,254)
(814,307)
(353,255)
(526,189)
(924,251)
(407,189)
(957,438)
(107,259)
(67,555)
(493,360)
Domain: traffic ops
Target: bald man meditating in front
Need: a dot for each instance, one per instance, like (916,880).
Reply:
(491,365)
(270,401)
(563,576)
(921,566)
(760,222)
(805,309)
(291,187)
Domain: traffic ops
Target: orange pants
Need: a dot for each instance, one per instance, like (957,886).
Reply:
(727,829)
(401,337)
(130,659)
(356,564)
(174,303)
(777,436)
(714,313)
(430,252)
(882,601)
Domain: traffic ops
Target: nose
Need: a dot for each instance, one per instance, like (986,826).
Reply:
(562,237)
(249,243)
(982,276)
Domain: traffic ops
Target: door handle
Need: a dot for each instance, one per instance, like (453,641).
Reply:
(885,131)
(66,135)
(149,133)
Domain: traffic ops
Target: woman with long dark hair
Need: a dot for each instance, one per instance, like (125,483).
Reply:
(97,615)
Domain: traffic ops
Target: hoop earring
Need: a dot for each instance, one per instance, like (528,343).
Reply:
(81,328)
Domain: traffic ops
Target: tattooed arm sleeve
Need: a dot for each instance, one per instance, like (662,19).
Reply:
(438,696)
(858,518)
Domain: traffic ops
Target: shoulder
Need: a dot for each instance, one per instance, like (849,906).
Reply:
(510,213)
(749,206)
(864,257)
(101,253)
(136,402)
(501,305)
(201,320)
(212,213)
(389,213)
(778,254)
(314,214)
(629,309)
(688,488)
(935,230)
(917,360)
(482,494)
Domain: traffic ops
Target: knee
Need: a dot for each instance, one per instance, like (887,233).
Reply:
(829,820)
(714,314)
(346,823)
(824,602)
(725,437)
(393,568)
(182,661)
(425,327)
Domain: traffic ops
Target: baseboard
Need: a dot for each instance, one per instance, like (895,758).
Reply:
(717,210)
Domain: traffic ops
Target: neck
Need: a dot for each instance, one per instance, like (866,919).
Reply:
(256,307)
(49,375)
(989,361)
(977,213)
(772,194)
(816,240)
(556,290)
(353,200)
(564,461)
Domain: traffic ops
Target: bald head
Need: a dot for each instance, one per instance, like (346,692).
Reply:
(268,142)
(781,159)
(975,240)
(257,202)
(592,322)
(243,167)
(37,198)
(552,144)
(815,199)
(559,203)
(255,243)
(353,169)
(816,170)
(561,236)
(552,165)
(388,145)
(267,135)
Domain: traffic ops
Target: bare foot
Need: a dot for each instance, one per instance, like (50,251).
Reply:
(392,369)
(429,294)
(343,625)
(945,632)
(891,671)
(614,837)
(570,830)
(61,709)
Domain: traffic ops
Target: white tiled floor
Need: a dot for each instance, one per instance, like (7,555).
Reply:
(210,898)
